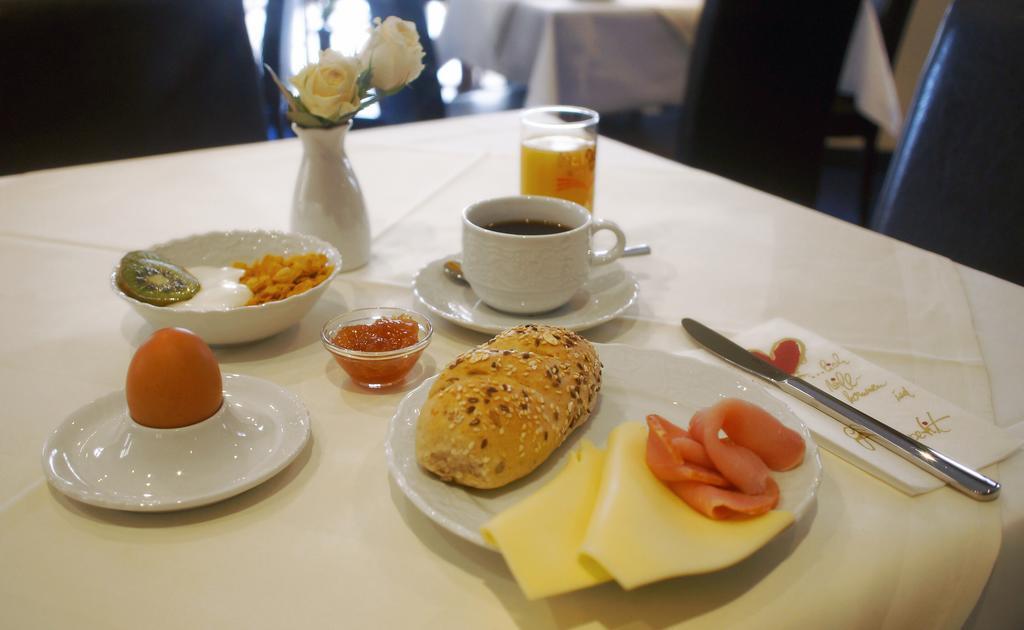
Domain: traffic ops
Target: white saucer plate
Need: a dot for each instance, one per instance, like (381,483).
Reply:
(102,457)
(636,382)
(609,291)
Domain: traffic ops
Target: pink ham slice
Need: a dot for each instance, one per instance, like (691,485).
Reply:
(691,450)
(682,444)
(740,465)
(719,503)
(754,437)
(667,462)
(780,447)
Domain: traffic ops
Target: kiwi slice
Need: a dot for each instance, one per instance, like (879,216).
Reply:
(151,278)
(142,254)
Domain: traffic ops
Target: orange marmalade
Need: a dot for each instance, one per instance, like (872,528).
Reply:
(383,335)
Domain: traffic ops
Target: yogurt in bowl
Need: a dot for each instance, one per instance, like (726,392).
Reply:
(220,288)
(215,321)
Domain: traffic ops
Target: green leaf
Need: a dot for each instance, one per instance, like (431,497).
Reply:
(363,82)
(293,103)
(305,119)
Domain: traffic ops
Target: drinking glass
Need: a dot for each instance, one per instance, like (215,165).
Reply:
(558,153)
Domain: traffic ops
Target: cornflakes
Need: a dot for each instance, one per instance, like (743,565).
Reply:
(275,277)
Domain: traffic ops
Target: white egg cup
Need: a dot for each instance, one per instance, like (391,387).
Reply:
(101,456)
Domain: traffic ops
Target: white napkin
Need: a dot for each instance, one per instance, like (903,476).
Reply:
(921,414)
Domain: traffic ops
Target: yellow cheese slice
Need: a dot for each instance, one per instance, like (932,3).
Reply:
(540,536)
(641,532)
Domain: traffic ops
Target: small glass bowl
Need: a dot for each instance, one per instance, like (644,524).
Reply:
(376,369)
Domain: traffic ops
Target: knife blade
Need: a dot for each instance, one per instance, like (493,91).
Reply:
(970,482)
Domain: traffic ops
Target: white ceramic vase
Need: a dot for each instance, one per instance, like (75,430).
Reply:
(327,202)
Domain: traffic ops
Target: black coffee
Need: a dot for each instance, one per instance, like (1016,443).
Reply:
(527,227)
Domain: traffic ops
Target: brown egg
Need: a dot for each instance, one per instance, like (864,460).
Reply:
(173,380)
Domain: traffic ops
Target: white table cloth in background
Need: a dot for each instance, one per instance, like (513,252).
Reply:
(333,542)
(628,54)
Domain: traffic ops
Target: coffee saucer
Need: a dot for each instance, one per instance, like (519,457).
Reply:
(609,291)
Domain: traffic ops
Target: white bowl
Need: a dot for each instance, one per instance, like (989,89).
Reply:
(242,323)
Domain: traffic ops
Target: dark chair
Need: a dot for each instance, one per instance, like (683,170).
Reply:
(956,181)
(846,121)
(762,79)
(271,55)
(93,80)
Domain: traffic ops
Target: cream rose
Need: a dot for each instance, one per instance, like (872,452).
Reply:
(393,54)
(329,89)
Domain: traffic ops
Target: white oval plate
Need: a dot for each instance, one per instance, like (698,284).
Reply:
(102,457)
(636,382)
(608,292)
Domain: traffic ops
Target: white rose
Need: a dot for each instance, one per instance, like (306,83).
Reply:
(329,88)
(393,54)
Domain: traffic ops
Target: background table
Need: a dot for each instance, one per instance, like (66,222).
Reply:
(628,54)
(332,541)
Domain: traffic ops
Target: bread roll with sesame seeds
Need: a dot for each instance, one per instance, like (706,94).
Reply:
(498,411)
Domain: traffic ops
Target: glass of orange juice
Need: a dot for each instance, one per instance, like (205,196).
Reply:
(558,153)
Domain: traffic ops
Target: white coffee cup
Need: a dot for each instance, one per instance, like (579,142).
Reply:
(531,273)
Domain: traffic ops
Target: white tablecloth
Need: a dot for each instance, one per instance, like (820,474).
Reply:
(626,54)
(333,542)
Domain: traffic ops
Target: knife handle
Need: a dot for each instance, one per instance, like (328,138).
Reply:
(970,482)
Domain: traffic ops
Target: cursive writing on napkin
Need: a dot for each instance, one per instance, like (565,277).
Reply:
(914,411)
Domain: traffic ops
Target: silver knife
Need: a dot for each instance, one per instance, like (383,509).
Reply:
(970,482)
